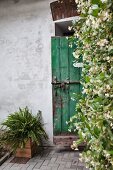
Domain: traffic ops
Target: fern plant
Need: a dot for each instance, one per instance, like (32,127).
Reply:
(22,126)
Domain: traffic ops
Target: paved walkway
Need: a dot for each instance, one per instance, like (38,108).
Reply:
(49,159)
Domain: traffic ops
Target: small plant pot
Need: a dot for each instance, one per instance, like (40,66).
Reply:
(29,150)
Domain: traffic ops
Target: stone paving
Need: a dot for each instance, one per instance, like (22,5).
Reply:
(50,159)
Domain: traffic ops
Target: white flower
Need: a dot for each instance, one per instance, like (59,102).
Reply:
(69,130)
(104,15)
(95,6)
(71,119)
(66,123)
(88,22)
(76,149)
(83,134)
(103,1)
(108,87)
(72,99)
(76,55)
(77,1)
(111,124)
(110,48)
(111,69)
(90,11)
(91,80)
(85,91)
(106,153)
(107,94)
(108,58)
(70,45)
(73,54)
(69,28)
(102,42)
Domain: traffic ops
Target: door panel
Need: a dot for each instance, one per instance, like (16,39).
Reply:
(65,82)
(64,70)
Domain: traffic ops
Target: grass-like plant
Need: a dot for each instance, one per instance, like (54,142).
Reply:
(22,126)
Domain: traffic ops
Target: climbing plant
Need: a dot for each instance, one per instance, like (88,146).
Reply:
(94,121)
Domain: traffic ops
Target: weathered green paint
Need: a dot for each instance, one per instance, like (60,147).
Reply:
(63,71)
(56,91)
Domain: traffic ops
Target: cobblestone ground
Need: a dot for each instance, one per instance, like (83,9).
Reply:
(49,159)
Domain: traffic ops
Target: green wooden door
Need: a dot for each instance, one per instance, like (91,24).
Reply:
(65,82)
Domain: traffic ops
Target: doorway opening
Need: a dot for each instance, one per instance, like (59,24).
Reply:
(62,28)
(65,82)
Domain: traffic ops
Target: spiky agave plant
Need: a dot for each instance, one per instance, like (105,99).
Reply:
(21,126)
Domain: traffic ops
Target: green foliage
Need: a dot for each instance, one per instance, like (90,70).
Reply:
(22,125)
(94,121)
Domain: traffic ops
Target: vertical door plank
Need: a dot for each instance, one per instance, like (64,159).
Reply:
(64,76)
(55,47)
(74,74)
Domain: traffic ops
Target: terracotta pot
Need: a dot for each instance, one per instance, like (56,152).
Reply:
(28,151)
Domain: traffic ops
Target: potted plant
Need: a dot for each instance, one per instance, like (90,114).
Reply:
(23,132)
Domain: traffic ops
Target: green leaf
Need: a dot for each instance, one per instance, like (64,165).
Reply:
(87,79)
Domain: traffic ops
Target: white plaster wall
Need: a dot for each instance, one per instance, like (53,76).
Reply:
(26,28)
